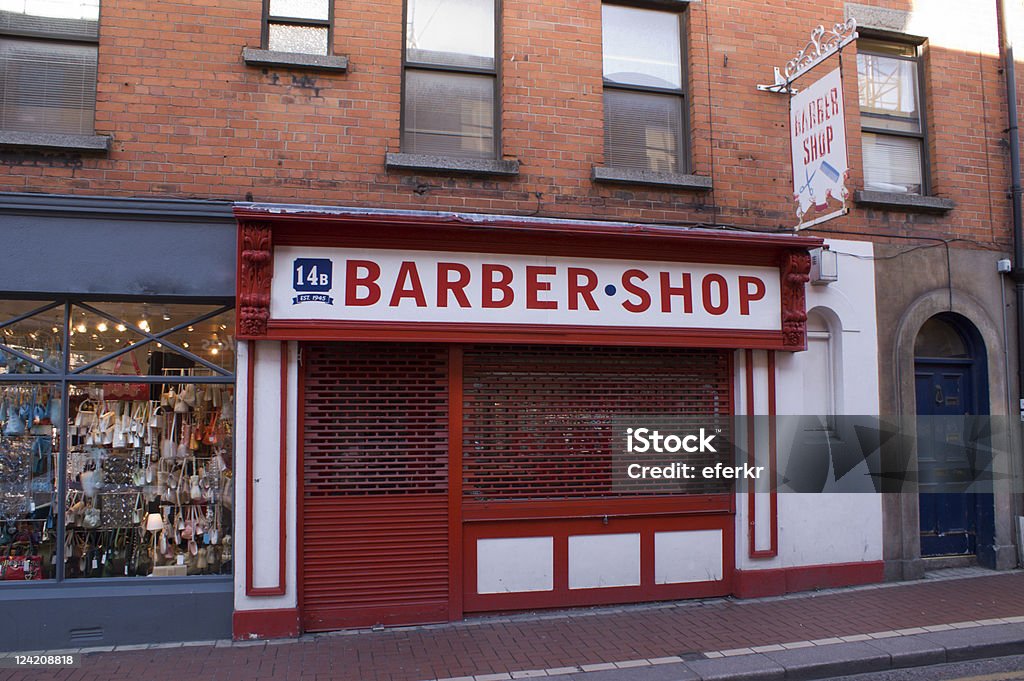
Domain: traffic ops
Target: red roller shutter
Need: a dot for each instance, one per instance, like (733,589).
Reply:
(375,485)
(538,421)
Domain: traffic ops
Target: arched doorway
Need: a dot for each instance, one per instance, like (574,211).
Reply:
(951,383)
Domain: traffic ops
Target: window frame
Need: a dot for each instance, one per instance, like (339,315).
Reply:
(269,19)
(468,70)
(64,376)
(918,46)
(684,162)
(45,37)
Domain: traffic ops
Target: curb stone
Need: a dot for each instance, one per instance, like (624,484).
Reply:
(823,662)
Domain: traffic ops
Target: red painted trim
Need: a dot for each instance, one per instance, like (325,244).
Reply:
(579,509)
(357,617)
(247,625)
(255,272)
(282,519)
(250,399)
(748,374)
(772,457)
(448,332)
(455,563)
(562,596)
(300,479)
(775,582)
(250,381)
(346,226)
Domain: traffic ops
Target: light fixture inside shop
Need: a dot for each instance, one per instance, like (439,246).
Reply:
(101,327)
(144,324)
(81,328)
(121,327)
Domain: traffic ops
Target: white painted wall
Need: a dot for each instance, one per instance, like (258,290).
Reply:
(602,560)
(817,529)
(688,556)
(266,472)
(515,565)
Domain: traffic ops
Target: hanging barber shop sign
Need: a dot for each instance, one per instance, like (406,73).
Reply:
(817,127)
(818,135)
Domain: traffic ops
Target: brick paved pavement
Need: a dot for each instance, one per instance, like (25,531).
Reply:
(569,638)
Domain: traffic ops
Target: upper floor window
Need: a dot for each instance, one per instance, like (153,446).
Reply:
(892,118)
(450,79)
(48,51)
(302,26)
(644,89)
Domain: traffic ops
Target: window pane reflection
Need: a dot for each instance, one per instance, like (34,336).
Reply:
(28,461)
(38,337)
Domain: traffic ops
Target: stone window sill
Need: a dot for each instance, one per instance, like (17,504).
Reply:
(907,202)
(698,183)
(55,142)
(295,60)
(451,164)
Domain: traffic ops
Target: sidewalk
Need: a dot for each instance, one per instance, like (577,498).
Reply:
(909,623)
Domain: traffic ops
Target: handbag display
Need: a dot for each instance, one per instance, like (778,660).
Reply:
(21,567)
(126,391)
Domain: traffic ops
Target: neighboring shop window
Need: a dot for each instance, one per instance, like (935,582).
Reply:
(302,26)
(143,461)
(892,122)
(450,79)
(644,89)
(48,54)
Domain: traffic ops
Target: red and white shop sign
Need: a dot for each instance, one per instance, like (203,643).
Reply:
(381,285)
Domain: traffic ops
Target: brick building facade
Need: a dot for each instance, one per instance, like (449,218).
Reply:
(198,111)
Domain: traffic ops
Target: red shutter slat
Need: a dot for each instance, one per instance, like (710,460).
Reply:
(375,495)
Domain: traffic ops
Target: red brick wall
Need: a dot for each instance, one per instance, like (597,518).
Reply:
(190,119)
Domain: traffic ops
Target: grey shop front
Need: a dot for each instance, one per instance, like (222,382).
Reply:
(117,361)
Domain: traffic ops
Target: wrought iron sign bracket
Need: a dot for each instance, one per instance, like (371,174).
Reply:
(822,45)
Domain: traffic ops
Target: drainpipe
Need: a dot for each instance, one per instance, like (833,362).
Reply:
(1016,191)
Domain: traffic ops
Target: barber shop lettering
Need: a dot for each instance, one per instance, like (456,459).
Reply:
(412,286)
(671,292)
(813,121)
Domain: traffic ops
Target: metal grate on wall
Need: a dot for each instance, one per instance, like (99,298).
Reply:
(376,420)
(539,421)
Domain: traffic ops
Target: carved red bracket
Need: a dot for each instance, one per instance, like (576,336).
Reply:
(254,274)
(795,270)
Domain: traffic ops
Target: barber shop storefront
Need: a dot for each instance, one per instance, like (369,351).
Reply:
(426,404)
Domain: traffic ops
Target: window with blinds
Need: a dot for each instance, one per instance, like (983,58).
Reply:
(892,121)
(48,51)
(450,79)
(644,94)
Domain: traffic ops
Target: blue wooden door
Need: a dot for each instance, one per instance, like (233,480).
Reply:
(948,515)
